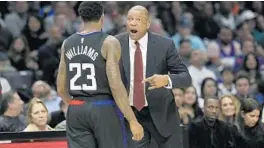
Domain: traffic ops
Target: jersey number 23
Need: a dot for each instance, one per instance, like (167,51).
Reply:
(79,67)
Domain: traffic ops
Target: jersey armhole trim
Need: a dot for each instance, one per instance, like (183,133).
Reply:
(89,33)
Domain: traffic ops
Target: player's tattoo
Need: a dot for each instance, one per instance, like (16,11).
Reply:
(111,51)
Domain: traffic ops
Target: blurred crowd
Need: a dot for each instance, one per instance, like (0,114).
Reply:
(221,43)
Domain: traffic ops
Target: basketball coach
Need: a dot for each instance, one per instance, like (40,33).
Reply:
(150,67)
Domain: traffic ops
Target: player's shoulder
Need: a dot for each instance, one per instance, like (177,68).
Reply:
(111,40)
(121,35)
(70,38)
(110,44)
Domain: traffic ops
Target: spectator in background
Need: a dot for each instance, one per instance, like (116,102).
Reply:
(74,20)
(215,64)
(188,16)
(248,17)
(55,36)
(190,109)
(178,96)
(115,17)
(230,107)
(257,7)
(43,91)
(249,131)
(59,7)
(5,38)
(225,17)
(243,32)
(243,88)
(16,21)
(205,26)
(169,13)
(19,53)
(38,116)
(11,108)
(249,46)
(209,88)
(48,55)
(251,69)
(258,32)
(176,10)
(225,47)
(45,9)
(156,24)
(5,64)
(58,116)
(35,33)
(260,94)
(227,86)
(196,9)
(215,133)
(198,71)
(185,32)
(111,10)
(62,124)
(63,23)
(185,51)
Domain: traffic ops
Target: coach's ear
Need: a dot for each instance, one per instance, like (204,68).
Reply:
(148,22)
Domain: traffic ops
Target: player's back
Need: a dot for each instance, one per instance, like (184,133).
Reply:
(86,67)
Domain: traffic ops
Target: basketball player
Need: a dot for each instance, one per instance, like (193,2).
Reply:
(89,81)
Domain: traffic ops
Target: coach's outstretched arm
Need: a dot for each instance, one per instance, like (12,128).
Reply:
(62,87)
(111,51)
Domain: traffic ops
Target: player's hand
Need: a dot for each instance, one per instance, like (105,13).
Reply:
(157,81)
(137,130)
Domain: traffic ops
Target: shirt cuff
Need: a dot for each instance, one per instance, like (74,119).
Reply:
(169,86)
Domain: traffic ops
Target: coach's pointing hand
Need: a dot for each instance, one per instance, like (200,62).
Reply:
(157,81)
(137,130)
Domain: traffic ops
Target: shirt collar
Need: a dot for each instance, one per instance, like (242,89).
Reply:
(142,42)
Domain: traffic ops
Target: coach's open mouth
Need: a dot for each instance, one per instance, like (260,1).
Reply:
(133,31)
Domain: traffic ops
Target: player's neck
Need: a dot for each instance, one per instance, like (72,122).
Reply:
(91,27)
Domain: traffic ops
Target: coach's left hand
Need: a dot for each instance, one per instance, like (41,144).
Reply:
(157,81)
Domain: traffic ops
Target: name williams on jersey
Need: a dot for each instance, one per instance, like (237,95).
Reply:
(81,50)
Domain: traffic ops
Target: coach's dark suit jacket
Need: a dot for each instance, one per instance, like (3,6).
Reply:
(161,59)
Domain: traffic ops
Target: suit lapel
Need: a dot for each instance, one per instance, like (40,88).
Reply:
(126,57)
(151,52)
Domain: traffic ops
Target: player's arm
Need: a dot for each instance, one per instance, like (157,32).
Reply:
(62,87)
(111,50)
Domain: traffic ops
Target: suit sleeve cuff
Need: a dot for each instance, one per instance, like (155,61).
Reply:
(169,86)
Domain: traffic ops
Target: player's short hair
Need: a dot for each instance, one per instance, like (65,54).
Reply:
(90,11)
